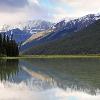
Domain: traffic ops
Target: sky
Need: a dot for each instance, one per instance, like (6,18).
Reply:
(13,11)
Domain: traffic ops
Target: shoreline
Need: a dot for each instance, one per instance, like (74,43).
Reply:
(53,56)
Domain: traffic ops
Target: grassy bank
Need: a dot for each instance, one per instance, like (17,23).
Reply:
(53,56)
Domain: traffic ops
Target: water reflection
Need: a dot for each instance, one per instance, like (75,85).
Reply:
(8,69)
(76,74)
(52,79)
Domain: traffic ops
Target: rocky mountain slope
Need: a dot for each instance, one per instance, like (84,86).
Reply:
(60,30)
(85,41)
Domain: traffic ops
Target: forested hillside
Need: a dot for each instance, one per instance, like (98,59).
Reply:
(86,41)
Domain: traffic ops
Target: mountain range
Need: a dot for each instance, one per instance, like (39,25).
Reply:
(85,41)
(22,31)
(32,26)
(72,36)
(59,31)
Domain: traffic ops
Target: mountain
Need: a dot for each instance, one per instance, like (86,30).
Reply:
(32,26)
(18,35)
(60,30)
(23,31)
(85,41)
(75,25)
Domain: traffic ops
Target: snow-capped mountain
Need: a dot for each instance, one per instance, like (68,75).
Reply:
(47,31)
(60,30)
(85,41)
(22,31)
(28,26)
(65,27)
(78,23)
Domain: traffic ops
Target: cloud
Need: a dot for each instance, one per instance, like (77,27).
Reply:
(36,10)
(80,7)
(52,10)
(12,5)
(6,18)
(30,10)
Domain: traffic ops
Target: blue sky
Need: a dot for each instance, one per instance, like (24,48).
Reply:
(13,11)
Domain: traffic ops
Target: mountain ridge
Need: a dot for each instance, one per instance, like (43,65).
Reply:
(86,41)
(60,30)
(32,26)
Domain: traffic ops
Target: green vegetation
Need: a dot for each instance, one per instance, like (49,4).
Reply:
(53,56)
(86,41)
(8,46)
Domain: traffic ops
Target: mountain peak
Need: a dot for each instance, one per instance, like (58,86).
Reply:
(31,26)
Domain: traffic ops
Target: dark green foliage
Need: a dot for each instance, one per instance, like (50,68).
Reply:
(8,69)
(8,47)
(86,41)
(0,43)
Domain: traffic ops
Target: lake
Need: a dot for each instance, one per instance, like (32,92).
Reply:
(50,79)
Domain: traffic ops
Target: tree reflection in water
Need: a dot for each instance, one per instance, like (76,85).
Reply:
(8,69)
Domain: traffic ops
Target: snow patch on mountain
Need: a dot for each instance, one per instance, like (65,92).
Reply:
(28,26)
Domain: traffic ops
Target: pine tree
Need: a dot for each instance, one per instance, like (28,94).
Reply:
(0,44)
(4,44)
(8,46)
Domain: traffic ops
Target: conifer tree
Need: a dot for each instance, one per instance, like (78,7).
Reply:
(0,44)
(8,46)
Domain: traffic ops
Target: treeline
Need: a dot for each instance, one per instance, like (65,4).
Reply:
(8,46)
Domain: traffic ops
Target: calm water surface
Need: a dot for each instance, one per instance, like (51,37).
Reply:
(50,79)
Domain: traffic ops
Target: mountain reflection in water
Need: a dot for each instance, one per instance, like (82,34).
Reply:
(77,74)
(52,79)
